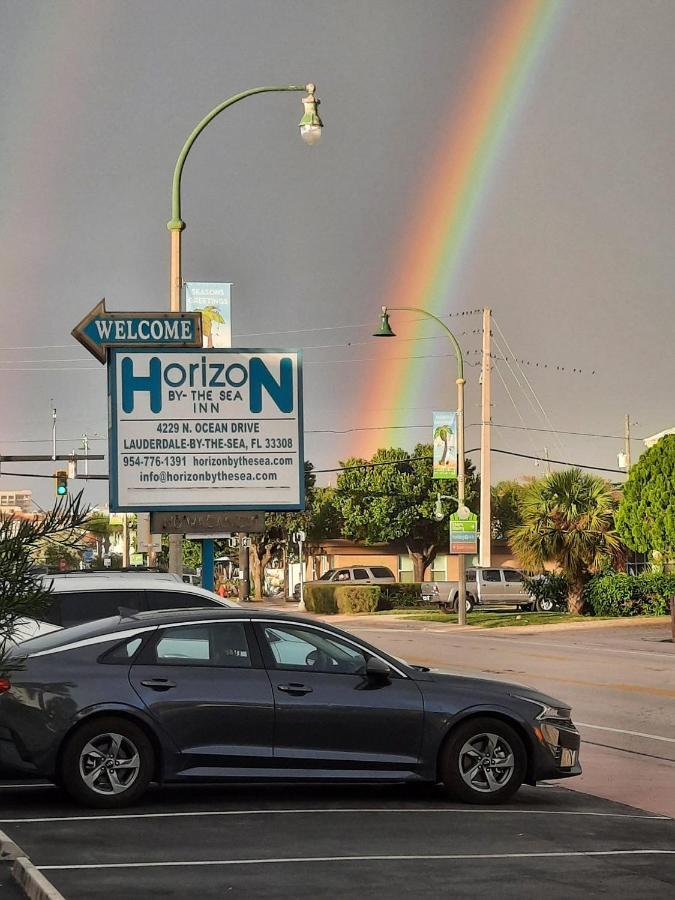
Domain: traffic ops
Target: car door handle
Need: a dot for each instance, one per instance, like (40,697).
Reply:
(294,688)
(159,684)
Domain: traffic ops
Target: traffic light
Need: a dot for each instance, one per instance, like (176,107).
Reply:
(61,482)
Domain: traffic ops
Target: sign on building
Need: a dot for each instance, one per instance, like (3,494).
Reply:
(208,524)
(214,301)
(463,534)
(205,430)
(445,444)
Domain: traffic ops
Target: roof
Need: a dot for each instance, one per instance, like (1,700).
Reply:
(64,584)
(650,441)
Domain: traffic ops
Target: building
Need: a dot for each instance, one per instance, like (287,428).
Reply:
(16,500)
(650,441)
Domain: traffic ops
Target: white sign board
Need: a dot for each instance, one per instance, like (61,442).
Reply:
(205,430)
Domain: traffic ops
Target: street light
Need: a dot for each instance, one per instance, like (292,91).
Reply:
(310,131)
(439,513)
(385,330)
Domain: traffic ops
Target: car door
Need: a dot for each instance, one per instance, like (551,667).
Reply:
(492,587)
(328,714)
(206,686)
(513,587)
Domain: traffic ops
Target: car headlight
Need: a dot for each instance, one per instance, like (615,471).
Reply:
(555,713)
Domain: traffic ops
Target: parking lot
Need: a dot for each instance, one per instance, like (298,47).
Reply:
(211,841)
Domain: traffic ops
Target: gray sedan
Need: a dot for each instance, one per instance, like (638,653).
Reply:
(107,707)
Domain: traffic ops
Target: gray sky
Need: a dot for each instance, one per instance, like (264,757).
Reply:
(573,248)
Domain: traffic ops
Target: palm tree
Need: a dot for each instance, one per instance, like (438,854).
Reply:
(567,519)
(443,432)
(210,314)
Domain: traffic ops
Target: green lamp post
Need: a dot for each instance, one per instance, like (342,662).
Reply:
(310,131)
(385,330)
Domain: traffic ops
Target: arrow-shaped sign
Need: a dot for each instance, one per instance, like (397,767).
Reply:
(100,330)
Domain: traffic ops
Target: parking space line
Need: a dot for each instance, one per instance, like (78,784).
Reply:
(268,812)
(554,854)
(652,737)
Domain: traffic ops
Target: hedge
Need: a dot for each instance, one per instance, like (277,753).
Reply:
(617,594)
(328,599)
(401,595)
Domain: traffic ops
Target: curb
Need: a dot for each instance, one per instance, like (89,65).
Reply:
(31,881)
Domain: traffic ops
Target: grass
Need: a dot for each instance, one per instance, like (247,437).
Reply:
(488,619)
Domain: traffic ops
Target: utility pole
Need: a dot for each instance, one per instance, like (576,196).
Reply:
(53,429)
(485,525)
(243,567)
(547,462)
(85,447)
(626,440)
(125,540)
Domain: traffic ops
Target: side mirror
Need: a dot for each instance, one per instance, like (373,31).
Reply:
(377,668)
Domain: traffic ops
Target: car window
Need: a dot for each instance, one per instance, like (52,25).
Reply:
(381,572)
(124,652)
(216,644)
(491,575)
(178,600)
(327,576)
(512,575)
(361,575)
(86,606)
(342,575)
(51,613)
(295,647)
(471,575)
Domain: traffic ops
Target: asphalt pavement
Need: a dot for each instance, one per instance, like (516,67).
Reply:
(333,841)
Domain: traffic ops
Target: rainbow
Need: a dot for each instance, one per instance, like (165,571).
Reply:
(437,245)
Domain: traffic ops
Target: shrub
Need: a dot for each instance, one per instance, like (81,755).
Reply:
(320,598)
(548,586)
(400,596)
(352,599)
(618,594)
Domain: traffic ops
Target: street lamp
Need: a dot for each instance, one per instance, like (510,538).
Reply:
(385,330)
(310,131)
(439,513)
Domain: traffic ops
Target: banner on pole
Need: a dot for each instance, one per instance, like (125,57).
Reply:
(445,445)
(213,301)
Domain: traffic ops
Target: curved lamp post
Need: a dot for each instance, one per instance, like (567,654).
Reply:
(310,131)
(385,330)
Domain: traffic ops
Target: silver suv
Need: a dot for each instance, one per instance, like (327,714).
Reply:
(354,575)
(484,587)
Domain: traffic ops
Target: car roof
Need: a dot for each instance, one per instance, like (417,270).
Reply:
(122,582)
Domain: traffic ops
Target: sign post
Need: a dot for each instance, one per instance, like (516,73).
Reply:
(463,534)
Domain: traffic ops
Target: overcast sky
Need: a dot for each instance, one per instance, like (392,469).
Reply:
(573,249)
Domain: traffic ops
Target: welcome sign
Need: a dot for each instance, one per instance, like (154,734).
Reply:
(205,430)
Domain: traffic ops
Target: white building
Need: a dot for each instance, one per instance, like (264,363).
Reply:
(650,441)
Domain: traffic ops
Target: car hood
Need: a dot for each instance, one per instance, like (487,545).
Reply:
(489,688)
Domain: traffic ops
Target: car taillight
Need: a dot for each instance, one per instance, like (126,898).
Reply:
(5,685)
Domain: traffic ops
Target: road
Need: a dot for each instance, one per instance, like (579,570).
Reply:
(619,680)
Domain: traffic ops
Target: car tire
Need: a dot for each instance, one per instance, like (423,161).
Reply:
(470,603)
(469,766)
(107,763)
(545,604)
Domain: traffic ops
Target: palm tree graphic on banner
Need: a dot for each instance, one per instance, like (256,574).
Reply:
(210,314)
(445,463)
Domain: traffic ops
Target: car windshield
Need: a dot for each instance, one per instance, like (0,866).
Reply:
(327,575)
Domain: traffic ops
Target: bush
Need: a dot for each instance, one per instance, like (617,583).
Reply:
(400,596)
(618,594)
(328,599)
(548,586)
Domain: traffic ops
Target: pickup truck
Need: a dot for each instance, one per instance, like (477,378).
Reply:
(484,587)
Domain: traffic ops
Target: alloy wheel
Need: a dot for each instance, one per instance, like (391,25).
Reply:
(109,763)
(486,762)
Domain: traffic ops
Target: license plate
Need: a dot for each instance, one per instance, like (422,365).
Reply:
(568,758)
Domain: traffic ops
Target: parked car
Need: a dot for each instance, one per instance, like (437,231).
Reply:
(107,707)
(353,575)
(79,598)
(484,587)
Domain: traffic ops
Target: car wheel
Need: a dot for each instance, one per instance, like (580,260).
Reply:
(545,604)
(470,603)
(107,763)
(483,761)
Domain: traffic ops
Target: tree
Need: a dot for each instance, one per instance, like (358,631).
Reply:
(646,516)
(384,503)
(505,500)
(22,592)
(443,433)
(568,519)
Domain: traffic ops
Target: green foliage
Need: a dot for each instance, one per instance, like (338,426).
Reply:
(568,519)
(22,593)
(328,599)
(401,596)
(192,554)
(646,516)
(618,594)
(505,500)
(54,551)
(548,586)
(386,503)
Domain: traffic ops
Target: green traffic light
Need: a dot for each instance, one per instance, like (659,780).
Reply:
(61,490)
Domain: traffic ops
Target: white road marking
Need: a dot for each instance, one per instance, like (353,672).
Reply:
(556,854)
(652,737)
(268,812)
